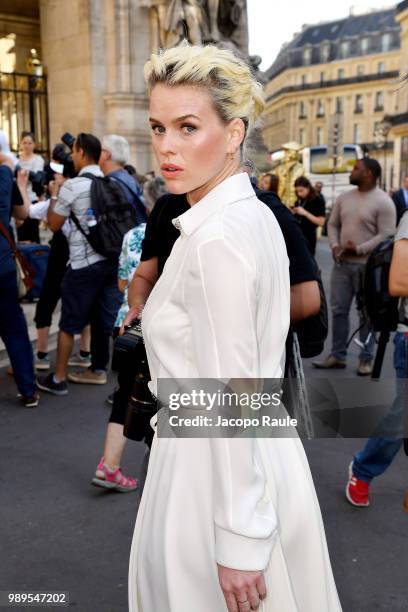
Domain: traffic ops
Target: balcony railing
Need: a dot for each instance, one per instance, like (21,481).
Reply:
(391,74)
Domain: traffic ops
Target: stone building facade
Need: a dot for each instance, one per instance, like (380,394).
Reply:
(399,120)
(93,53)
(348,67)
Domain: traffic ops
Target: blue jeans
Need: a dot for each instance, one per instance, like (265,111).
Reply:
(345,284)
(14,333)
(379,453)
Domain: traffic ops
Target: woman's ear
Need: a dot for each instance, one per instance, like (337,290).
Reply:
(236,133)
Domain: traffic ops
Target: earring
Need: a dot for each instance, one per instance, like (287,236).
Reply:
(232,156)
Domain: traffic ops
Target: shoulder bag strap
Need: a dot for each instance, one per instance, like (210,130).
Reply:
(7,236)
(78,225)
(26,267)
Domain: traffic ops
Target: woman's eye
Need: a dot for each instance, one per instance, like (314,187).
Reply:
(188,128)
(157,129)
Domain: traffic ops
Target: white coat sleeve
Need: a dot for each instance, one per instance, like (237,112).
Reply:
(220,299)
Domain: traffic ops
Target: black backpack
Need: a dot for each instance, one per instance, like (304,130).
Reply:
(380,307)
(115,216)
(312,332)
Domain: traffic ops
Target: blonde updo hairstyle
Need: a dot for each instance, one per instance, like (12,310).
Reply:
(228,79)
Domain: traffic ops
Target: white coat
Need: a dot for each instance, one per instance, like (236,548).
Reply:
(221,309)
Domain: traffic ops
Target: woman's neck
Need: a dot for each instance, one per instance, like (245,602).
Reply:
(198,194)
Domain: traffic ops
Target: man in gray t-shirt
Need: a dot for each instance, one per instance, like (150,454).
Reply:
(361,218)
(378,453)
(89,292)
(75,197)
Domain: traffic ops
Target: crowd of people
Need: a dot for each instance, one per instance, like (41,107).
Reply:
(238,279)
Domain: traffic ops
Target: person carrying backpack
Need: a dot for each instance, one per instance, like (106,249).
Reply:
(114,157)
(99,216)
(361,218)
(379,452)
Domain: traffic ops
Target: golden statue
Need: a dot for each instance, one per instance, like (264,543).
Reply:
(33,64)
(288,171)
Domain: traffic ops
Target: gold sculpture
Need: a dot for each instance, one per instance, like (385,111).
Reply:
(33,64)
(288,171)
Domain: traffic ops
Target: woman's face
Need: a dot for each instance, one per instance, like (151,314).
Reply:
(190,141)
(265,183)
(302,192)
(27,145)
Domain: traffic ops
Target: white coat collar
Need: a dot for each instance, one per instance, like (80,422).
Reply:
(233,189)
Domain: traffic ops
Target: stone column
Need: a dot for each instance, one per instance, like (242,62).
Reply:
(125,100)
(66,53)
(94,52)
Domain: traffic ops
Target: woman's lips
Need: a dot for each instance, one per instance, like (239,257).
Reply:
(170,170)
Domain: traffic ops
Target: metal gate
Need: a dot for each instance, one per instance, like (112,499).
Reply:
(24,107)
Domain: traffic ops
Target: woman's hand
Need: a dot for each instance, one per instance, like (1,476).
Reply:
(243,591)
(299,210)
(133,313)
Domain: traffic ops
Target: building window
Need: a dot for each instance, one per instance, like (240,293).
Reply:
(379,101)
(365,45)
(381,67)
(322,77)
(360,70)
(377,126)
(340,73)
(325,53)
(302,140)
(344,48)
(386,41)
(302,110)
(307,56)
(319,136)
(356,133)
(358,106)
(320,108)
(303,79)
(339,106)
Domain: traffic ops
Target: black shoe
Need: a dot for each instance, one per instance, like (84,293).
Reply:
(47,383)
(30,401)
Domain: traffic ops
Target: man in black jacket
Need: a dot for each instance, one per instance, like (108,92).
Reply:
(400,199)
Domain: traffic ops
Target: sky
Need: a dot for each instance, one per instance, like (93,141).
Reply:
(273,23)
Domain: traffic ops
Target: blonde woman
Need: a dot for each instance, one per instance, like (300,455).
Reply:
(224,524)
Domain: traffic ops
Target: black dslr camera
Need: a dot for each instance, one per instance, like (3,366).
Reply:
(129,355)
(37,180)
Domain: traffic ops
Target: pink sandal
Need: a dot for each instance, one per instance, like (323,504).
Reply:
(114,479)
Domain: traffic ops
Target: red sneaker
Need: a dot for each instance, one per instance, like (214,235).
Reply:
(357,491)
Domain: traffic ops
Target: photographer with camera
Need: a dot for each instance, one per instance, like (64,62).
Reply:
(89,289)
(34,164)
(58,171)
(13,326)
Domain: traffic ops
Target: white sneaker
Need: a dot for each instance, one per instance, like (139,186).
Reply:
(80,362)
(43,363)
